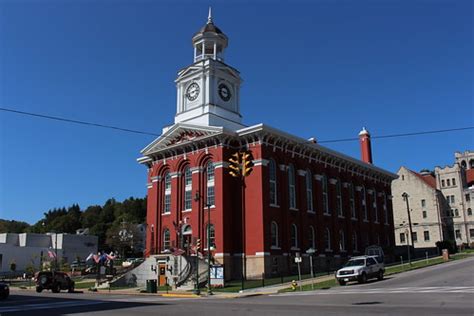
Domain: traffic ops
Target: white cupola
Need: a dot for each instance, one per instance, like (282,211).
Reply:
(209,90)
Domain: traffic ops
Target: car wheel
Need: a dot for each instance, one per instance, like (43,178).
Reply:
(71,289)
(43,280)
(342,282)
(363,278)
(56,288)
(39,289)
(380,276)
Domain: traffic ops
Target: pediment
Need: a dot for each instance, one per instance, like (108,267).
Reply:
(181,134)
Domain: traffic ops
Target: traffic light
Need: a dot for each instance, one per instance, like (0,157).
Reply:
(198,244)
(235,165)
(247,164)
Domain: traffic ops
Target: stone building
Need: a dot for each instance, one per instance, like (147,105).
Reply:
(427,209)
(440,203)
(300,195)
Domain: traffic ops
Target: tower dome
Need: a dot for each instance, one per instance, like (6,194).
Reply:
(209,41)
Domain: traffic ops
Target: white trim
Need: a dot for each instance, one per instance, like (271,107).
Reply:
(275,248)
(285,254)
(261,162)
(221,254)
(358,188)
(165,214)
(311,212)
(186,211)
(293,209)
(295,248)
(197,170)
(370,191)
(301,172)
(332,180)
(221,164)
(175,174)
(275,205)
(262,253)
(149,185)
(318,177)
(345,184)
(155,178)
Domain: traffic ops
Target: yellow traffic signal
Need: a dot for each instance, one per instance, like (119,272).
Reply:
(235,165)
(247,164)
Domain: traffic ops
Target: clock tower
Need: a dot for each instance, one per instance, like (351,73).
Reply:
(209,89)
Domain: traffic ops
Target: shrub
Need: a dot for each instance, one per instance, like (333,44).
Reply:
(447,244)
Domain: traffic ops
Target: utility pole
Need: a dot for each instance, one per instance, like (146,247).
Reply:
(241,166)
(405,197)
(209,289)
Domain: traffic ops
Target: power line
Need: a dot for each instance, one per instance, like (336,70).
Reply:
(78,122)
(401,135)
(154,134)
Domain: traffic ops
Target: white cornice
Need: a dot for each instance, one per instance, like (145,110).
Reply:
(221,164)
(261,162)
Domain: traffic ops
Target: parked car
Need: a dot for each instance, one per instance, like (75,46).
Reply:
(78,265)
(54,281)
(4,290)
(360,269)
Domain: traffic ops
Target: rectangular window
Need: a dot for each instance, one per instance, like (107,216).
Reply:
(376,210)
(471,232)
(402,238)
(339,199)
(210,195)
(448,182)
(187,200)
(424,214)
(442,183)
(273,193)
(452,198)
(352,201)
(325,195)
(458,234)
(167,206)
(468,197)
(414,237)
(385,210)
(426,235)
(454,181)
(364,204)
(423,203)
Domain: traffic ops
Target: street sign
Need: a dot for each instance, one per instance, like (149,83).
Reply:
(298,259)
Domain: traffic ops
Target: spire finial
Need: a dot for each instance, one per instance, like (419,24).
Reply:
(209,16)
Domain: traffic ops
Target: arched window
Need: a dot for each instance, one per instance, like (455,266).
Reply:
(464,164)
(211,237)
(274,234)
(324,186)
(471,163)
(188,187)
(374,206)
(273,182)
(292,186)
(294,236)
(166,239)
(309,191)
(327,239)
(339,198)
(342,241)
(210,198)
(312,237)
(354,241)
(167,200)
(352,201)
(364,203)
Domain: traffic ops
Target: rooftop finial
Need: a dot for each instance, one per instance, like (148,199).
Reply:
(209,16)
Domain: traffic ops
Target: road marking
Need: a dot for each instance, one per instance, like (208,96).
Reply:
(48,305)
(403,290)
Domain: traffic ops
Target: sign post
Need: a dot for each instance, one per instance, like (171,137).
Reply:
(298,260)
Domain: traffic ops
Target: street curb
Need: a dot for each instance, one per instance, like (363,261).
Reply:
(180,295)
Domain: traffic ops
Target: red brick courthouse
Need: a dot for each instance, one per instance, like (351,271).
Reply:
(299,195)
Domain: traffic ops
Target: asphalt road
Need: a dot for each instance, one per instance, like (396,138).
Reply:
(446,289)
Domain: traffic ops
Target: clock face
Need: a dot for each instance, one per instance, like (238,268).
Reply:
(224,92)
(192,92)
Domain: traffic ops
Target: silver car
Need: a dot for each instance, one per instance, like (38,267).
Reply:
(360,269)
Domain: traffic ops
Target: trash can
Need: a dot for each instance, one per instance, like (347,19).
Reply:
(151,286)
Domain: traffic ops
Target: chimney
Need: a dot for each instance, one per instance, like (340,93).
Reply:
(365,147)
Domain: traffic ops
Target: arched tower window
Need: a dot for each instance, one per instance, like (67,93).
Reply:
(292,186)
(339,198)
(309,191)
(188,187)
(273,182)
(342,241)
(210,184)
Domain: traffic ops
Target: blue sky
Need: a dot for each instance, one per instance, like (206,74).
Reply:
(316,69)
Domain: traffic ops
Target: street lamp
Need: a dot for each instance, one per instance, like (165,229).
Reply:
(197,198)
(209,290)
(311,252)
(405,197)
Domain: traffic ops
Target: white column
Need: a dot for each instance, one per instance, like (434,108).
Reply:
(203,50)
(195,52)
(215,51)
